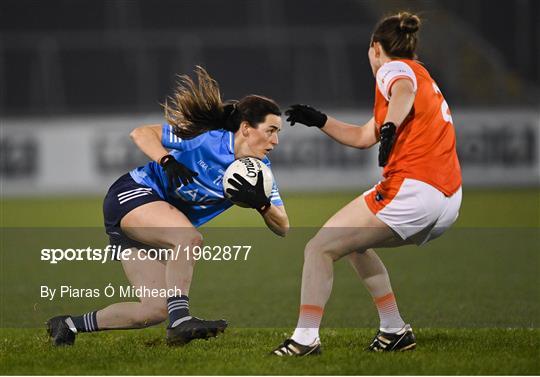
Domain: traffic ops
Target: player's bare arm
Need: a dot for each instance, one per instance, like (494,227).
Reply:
(401,102)
(277,220)
(148,139)
(347,134)
(399,106)
(360,137)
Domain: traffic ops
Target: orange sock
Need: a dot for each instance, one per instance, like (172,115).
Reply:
(309,321)
(310,316)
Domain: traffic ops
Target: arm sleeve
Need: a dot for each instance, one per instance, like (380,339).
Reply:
(275,198)
(171,141)
(392,71)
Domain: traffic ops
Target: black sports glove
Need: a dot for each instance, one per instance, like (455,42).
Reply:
(388,137)
(306,115)
(254,196)
(176,172)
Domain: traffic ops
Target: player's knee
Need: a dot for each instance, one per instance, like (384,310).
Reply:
(186,239)
(309,249)
(317,247)
(193,243)
(195,239)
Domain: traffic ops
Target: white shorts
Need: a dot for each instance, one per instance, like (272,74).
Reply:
(413,209)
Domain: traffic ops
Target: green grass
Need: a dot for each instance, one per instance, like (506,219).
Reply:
(472,295)
(441,351)
(480,208)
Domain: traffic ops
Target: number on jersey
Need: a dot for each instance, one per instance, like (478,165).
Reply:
(445,110)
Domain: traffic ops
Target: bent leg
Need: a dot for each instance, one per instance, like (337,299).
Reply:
(352,228)
(374,275)
(162,225)
(369,267)
(149,311)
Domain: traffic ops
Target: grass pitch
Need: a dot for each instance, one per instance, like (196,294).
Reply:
(471,296)
(245,351)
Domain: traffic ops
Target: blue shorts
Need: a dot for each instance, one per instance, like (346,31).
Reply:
(124,196)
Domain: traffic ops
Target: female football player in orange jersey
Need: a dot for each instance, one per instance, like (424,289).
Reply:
(417,201)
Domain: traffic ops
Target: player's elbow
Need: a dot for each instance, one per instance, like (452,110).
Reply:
(142,133)
(365,142)
(365,137)
(281,232)
(282,227)
(278,221)
(136,134)
(362,144)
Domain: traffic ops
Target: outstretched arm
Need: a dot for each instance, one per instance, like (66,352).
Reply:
(344,133)
(361,137)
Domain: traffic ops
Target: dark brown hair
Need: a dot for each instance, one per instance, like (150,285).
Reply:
(195,108)
(397,35)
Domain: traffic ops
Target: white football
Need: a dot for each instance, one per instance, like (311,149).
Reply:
(248,167)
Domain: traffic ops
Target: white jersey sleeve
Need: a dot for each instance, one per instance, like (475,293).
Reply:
(392,71)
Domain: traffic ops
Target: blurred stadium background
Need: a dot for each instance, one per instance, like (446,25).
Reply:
(78,75)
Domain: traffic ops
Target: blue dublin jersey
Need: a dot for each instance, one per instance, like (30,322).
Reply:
(208,154)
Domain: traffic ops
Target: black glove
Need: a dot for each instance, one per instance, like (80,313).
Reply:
(254,196)
(176,172)
(306,115)
(388,137)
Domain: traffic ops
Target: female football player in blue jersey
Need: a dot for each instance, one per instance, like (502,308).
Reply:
(162,203)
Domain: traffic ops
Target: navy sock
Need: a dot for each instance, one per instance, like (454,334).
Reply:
(86,322)
(178,307)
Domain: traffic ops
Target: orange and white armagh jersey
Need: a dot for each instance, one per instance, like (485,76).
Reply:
(425,147)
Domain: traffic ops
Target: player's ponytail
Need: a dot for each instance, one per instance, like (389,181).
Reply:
(397,35)
(195,108)
(231,116)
